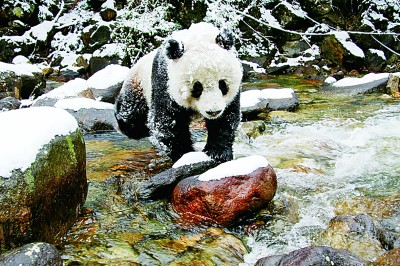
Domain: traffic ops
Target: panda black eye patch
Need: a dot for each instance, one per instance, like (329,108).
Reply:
(223,87)
(197,89)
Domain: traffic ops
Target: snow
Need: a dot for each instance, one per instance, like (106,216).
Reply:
(111,49)
(295,9)
(31,128)
(108,4)
(20,69)
(369,78)
(41,31)
(380,53)
(107,77)
(82,103)
(272,93)
(271,20)
(253,98)
(250,98)
(242,166)
(307,55)
(20,59)
(70,89)
(329,80)
(344,38)
(191,158)
(254,66)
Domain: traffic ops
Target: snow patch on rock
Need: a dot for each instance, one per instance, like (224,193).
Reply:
(242,166)
(82,103)
(191,158)
(32,128)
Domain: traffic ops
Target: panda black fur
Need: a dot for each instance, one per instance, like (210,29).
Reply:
(195,70)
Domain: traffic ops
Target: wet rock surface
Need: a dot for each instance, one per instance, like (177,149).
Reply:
(38,253)
(42,198)
(323,256)
(225,200)
(357,234)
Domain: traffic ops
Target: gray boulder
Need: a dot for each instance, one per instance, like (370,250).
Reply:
(32,254)
(106,83)
(367,84)
(91,115)
(258,101)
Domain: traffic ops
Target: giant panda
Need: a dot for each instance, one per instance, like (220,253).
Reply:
(195,70)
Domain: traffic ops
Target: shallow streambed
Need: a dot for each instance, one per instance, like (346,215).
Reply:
(334,155)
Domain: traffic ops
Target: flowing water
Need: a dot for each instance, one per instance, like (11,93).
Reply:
(334,155)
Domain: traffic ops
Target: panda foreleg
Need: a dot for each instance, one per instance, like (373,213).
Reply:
(131,111)
(170,127)
(221,133)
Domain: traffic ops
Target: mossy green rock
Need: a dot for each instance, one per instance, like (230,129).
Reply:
(43,201)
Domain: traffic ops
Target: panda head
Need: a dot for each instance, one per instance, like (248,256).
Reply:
(204,71)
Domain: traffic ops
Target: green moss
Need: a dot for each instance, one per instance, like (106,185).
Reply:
(18,11)
(30,179)
(71,147)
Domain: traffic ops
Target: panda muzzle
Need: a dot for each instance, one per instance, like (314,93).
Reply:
(214,113)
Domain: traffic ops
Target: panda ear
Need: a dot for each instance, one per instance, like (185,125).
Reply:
(225,39)
(174,49)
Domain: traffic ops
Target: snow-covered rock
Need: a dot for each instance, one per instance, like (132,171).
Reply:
(369,83)
(21,80)
(329,81)
(191,158)
(72,89)
(91,115)
(257,101)
(42,174)
(20,59)
(223,194)
(106,83)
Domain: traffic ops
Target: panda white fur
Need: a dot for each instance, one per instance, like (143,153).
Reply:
(195,70)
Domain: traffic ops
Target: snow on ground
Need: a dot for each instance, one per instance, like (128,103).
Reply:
(20,69)
(25,131)
(82,103)
(191,158)
(107,77)
(242,166)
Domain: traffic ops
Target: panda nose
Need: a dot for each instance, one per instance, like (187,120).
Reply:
(213,113)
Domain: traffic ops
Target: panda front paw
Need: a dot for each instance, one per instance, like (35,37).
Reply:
(219,155)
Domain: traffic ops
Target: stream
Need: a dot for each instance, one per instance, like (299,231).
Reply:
(335,155)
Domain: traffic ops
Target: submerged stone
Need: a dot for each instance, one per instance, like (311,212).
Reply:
(392,257)
(321,256)
(211,247)
(358,234)
(32,254)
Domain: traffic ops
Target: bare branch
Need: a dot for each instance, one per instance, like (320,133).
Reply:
(384,45)
(311,33)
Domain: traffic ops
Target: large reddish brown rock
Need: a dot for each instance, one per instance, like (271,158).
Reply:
(223,194)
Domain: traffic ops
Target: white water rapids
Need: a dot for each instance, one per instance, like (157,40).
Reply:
(319,164)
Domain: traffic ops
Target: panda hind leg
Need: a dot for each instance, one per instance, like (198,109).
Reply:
(131,112)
